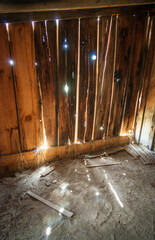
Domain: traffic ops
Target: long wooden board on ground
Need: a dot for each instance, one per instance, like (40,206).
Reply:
(108,152)
(103,165)
(54,206)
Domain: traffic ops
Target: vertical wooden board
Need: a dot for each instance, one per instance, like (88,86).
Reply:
(136,71)
(23,54)
(106,61)
(67,77)
(146,114)
(9,135)
(88,47)
(45,48)
(125,36)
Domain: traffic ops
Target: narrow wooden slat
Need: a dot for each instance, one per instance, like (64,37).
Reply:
(121,71)
(145,120)
(88,40)
(45,42)
(52,205)
(67,78)
(134,82)
(9,135)
(106,61)
(23,54)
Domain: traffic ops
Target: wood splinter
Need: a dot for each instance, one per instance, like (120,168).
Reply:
(103,165)
(54,206)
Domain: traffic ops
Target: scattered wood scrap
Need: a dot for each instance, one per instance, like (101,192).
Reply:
(134,154)
(108,152)
(144,156)
(54,206)
(102,165)
(48,172)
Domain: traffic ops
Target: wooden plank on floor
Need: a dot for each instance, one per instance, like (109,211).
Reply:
(23,54)
(106,60)
(67,78)
(45,48)
(122,65)
(52,205)
(9,135)
(88,47)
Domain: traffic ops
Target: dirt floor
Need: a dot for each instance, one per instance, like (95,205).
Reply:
(109,203)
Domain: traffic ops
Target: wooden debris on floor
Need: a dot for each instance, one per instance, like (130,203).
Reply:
(49,171)
(103,165)
(143,153)
(54,206)
(108,152)
(132,152)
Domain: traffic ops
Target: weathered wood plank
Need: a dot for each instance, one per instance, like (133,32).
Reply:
(23,54)
(136,72)
(88,40)
(9,135)
(146,115)
(77,13)
(67,77)
(121,71)
(45,48)
(106,61)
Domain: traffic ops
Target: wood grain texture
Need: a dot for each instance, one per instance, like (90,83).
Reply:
(146,114)
(9,135)
(45,48)
(136,71)
(23,54)
(88,41)
(67,76)
(77,13)
(106,61)
(125,36)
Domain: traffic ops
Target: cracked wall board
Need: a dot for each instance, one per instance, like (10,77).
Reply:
(9,135)
(23,54)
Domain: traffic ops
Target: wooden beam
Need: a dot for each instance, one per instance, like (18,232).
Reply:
(33,5)
(18,162)
(76,13)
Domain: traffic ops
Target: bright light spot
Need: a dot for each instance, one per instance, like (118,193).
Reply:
(124,174)
(88,175)
(43,39)
(86,170)
(66,88)
(48,231)
(42,170)
(40,120)
(117,198)
(75,115)
(11,62)
(106,176)
(98,19)
(64,186)
(134,15)
(36,64)
(61,210)
(97,193)
(71,191)
(65,44)
(88,179)
(101,128)
(93,57)
(7,26)
(32,25)
(57,21)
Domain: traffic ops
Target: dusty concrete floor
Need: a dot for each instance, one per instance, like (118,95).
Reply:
(115,202)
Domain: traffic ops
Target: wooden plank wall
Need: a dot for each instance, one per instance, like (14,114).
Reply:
(88,48)
(42,82)
(145,122)
(67,78)
(9,134)
(24,73)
